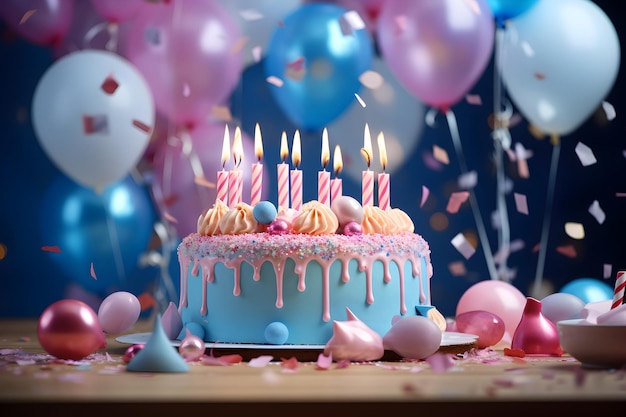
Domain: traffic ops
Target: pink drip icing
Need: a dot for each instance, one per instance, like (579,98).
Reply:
(299,269)
(386,274)
(184,266)
(345,276)
(279,271)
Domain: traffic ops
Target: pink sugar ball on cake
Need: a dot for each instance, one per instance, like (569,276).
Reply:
(347,209)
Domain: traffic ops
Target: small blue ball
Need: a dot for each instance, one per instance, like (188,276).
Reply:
(264,212)
(276,333)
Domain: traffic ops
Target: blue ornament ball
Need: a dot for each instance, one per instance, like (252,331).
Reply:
(264,212)
(276,333)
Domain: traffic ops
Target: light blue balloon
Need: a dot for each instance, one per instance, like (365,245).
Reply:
(507,9)
(590,290)
(559,61)
(324,87)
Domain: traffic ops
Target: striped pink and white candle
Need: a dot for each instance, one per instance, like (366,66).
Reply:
(618,292)
(256,181)
(367,177)
(383,177)
(222,176)
(283,175)
(323,176)
(296,174)
(336,185)
(235,177)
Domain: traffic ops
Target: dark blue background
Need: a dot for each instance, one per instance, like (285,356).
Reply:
(29,281)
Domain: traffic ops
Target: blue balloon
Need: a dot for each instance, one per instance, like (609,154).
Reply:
(508,9)
(590,290)
(319,59)
(109,230)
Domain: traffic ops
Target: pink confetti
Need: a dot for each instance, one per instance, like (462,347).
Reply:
(239,45)
(141,126)
(440,362)
(425,194)
(92,271)
(463,246)
(400,23)
(295,69)
(95,124)
(27,16)
(55,249)
(323,361)
(274,81)
(455,201)
(109,85)
(474,99)
(607,271)
(520,203)
(468,180)
(457,269)
(260,361)
(186,90)
(169,217)
(567,250)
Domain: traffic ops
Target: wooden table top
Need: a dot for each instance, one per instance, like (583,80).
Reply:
(485,380)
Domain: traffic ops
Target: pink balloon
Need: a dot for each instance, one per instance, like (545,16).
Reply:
(188,52)
(487,326)
(116,11)
(42,22)
(118,312)
(497,297)
(437,48)
(174,188)
(69,329)
(535,334)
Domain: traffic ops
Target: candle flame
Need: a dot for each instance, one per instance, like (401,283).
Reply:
(337,160)
(237,147)
(225,147)
(284,149)
(258,143)
(366,150)
(296,150)
(325,149)
(382,150)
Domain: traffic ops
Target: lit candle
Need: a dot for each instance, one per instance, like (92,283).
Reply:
(336,187)
(256,182)
(296,174)
(323,176)
(222,176)
(235,177)
(367,177)
(283,175)
(383,177)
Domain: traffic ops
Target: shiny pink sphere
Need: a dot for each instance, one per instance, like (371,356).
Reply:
(69,329)
(487,326)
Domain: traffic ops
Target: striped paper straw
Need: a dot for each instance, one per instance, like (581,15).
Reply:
(618,292)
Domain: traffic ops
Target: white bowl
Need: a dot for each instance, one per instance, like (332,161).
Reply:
(594,345)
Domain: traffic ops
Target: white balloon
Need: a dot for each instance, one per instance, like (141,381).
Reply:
(93,136)
(389,108)
(560,59)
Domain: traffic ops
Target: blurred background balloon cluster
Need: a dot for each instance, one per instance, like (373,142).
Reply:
(502,121)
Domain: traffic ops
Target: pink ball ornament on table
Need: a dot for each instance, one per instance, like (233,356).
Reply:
(191,348)
(69,329)
(487,326)
(118,312)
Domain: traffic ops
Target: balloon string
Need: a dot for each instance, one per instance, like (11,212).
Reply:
(456,139)
(543,246)
(92,33)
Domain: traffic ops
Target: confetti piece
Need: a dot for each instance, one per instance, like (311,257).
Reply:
(575,230)
(203,182)
(152,35)
(455,201)
(260,361)
(425,194)
(222,113)
(440,362)
(360,100)
(250,14)
(295,69)
(109,85)
(567,250)
(463,246)
(55,249)
(146,301)
(141,126)
(609,110)
(539,76)
(274,81)
(440,155)
(400,23)
(27,16)
(520,203)
(371,79)
(169,217)
(239,45)
(597,212)
(474,99)
(349,22)
(290,363)
(92,271)
(528,50)
(468,180)
(323,361)
(223,360)
(95,124)
(516,353)
(585,154)
(256,53)
(457,268)
(607,271)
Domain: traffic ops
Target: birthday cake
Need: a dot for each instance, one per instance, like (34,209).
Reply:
(255,274)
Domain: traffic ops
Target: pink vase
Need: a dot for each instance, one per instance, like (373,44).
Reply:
(535,334)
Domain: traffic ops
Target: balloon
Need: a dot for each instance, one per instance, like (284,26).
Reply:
(318,65)
(116,11)
(498,297)
(256,20)
(100,236)
(42,22)
(560,59)
(507,9)
(535,334)
(561,306)
(93,114)
(175,191)
(413,337)
(590,290)
(187,50)
(69,329)
(386,110)
(118,312)
(487,326)
(438,49)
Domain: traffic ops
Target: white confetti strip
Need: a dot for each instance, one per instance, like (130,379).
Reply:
(520,203)
(609,110)
(607,271)
(585,154)
(468,180)
(597,212)
(351,21)
(275,81)
(360,100)
(463,246)
(528,50)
